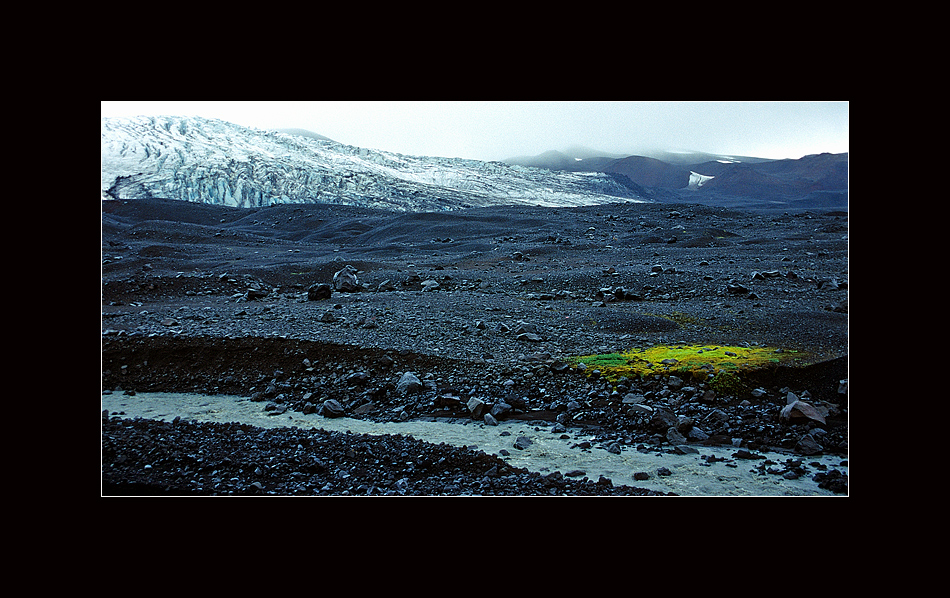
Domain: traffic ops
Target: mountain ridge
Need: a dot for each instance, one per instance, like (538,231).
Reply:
(819,180)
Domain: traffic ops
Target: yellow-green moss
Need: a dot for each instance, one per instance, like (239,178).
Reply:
(727,383)
(726,363)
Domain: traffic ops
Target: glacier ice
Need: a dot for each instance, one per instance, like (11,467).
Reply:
(212,161)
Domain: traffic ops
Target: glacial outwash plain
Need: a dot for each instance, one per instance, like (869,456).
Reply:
(611,340)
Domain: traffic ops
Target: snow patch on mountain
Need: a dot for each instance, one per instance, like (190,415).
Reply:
(212,161)
(697,180)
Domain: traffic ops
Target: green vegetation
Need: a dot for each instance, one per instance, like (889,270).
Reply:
(726,363)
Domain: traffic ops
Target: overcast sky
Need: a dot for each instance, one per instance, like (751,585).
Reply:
(497,130)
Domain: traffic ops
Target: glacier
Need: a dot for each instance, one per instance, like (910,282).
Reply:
(213,161)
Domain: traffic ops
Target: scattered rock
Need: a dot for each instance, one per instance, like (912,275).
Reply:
(746,454)
(832,480)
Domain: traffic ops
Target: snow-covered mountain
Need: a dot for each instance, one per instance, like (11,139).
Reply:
(212,161)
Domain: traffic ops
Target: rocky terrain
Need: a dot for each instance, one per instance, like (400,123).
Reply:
(475,314)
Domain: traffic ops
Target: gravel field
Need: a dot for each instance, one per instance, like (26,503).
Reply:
(476,316)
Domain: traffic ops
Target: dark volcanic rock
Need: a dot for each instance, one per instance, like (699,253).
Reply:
(207,299)
(333,408)
(319,292)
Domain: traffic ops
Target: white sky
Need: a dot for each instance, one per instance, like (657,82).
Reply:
(497,130)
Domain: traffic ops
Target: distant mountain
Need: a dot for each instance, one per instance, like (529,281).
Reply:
(212,161)
(819,180)
(651,172)
(684,158)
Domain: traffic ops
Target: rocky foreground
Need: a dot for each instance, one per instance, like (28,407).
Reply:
(475,316)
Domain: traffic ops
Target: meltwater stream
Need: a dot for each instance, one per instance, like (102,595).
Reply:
(691,474)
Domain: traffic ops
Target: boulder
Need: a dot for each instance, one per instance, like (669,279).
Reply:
(476,406)
(663,419)
(736,289)
(500,410)
(684,423)
(409,383)
(697,434)
(560,366)
(526,328)
(319,292)
(345,280)
(333,408)
(800,411)
(674,437)
(357,378)
(808,445)
(638,408)
(448,400)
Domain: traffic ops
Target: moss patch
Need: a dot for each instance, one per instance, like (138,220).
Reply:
(727,363)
